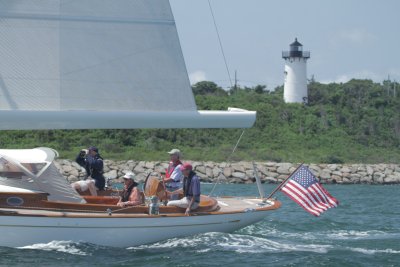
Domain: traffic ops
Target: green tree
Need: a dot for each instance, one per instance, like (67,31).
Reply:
(208,88)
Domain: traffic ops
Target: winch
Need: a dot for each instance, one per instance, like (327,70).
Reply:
(154,207)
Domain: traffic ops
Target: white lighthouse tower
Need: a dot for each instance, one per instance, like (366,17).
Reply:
(295,89)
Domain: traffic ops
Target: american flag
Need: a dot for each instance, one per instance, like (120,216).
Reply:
(304,189)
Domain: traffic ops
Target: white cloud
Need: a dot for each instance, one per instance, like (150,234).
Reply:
(364,74)
(394,73)
(339,79)
(197,76)
(352,36)
(357,35)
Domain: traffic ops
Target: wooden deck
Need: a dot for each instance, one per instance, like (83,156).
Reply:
(236,204)
(36,204)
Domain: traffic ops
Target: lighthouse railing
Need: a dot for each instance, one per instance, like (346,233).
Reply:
(303,54)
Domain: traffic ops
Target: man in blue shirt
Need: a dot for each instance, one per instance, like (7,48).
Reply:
(191,190)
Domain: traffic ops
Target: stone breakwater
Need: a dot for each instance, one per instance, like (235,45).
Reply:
(242,172)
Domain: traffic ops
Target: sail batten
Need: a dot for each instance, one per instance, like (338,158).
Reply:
(9,15)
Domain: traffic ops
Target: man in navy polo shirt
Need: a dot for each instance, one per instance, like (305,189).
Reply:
(191,190)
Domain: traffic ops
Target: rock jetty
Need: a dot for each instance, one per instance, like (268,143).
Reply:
(243,172)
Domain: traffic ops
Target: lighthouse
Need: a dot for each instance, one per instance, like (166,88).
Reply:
(295,88)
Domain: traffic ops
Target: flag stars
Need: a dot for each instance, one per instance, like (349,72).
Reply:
(304,177)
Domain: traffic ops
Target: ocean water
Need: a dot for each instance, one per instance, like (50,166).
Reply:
(364,230)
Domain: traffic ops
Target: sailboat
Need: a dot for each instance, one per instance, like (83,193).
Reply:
(91,64)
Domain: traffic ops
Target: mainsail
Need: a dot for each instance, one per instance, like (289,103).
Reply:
(81,64)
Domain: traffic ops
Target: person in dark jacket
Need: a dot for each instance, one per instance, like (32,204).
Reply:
(91,160)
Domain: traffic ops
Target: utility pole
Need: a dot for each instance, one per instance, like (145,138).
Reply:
(235,88)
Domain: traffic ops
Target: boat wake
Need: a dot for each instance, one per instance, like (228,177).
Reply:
(252,239)
(252,244)
(60,246)
(233,242)
(374,251)
(352,234)
(273,232)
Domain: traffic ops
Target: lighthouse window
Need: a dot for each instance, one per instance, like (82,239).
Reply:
(297,48)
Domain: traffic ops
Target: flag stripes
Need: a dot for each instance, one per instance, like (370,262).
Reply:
(304,189)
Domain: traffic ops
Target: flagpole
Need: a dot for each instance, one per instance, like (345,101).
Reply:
(284,181)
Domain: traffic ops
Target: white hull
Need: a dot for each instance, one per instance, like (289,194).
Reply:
(19,231)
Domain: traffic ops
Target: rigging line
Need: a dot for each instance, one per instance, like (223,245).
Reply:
(228,160)
(220,43)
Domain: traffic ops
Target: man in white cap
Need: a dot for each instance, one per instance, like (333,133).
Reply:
(130,196)
(173,174)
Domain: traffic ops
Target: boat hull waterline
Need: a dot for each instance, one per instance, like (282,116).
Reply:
(22,230)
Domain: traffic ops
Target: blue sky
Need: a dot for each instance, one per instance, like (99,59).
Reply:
(347,39)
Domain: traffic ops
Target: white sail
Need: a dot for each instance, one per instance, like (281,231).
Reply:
(76,64)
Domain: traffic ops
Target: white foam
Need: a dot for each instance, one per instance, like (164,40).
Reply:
(235,242)
(273,232)
(353,234)
(203,250)
(61,246)
(251,244)
(374,251)
(324,235)
(192,241)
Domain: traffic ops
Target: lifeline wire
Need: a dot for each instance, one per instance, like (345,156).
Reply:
(228,159)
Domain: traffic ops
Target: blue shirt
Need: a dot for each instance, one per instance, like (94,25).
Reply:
(191,187)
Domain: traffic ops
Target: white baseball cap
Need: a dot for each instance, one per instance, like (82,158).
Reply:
(175,151)
(129,175)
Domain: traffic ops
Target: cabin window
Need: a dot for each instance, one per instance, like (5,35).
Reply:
(15,201)
(9,169)
(34,168)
